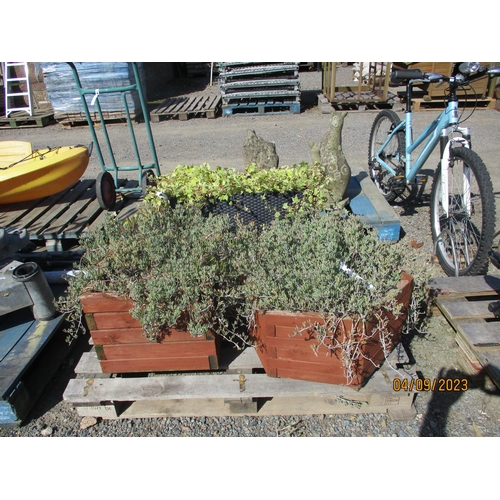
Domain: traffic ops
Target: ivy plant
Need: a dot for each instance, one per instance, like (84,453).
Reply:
(202,184)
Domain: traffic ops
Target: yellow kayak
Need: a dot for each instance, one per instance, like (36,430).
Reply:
(29,175)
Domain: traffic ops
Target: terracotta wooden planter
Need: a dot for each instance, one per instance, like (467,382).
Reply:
(287,355)
(121,346)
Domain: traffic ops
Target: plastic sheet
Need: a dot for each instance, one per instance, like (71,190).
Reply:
(63,93)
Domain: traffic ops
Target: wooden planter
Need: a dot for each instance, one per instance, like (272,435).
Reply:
(287,355)
(121,346)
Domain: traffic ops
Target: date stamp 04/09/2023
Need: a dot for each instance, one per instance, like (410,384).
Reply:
(430,384)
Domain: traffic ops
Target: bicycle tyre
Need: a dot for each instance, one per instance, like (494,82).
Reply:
(383,124)
(470,231)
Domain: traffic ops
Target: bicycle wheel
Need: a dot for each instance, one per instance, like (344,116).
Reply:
(393,153)
(465,234)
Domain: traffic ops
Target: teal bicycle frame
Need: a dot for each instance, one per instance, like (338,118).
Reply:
(440,128)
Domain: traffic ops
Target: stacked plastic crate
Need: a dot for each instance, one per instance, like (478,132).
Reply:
(259,88)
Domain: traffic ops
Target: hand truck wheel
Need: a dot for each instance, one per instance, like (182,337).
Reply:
(105,191)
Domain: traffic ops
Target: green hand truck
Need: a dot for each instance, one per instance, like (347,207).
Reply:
(107,183)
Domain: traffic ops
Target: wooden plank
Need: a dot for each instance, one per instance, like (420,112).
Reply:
(104,302)
(466,285)
(13,212)
(490,360)
(136,336)
(479,333)
(107,321)
(397,408)
(29,220)
(232,360)
(206,387)
(142,365)
(81,215)
(43,227)
(461,308)
(146,350)
(366,201)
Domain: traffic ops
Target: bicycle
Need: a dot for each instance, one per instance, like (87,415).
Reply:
(461,200)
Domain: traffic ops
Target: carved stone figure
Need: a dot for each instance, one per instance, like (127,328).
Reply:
(328,153)
(259,152)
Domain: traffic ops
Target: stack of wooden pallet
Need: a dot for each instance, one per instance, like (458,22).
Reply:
(464,301)
(259,88)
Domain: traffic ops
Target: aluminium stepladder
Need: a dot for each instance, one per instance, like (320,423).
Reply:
(21,77)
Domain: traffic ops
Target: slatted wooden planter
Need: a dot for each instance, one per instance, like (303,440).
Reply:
(122,347)
(285,354)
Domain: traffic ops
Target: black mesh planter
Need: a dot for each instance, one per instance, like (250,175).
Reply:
(258,209)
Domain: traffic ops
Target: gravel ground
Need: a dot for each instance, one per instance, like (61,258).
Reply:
(434,353)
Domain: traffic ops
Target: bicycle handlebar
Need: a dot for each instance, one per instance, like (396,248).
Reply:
(405,76)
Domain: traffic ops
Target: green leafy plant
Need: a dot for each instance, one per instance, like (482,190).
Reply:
(175,266)
(335,266)
(202,184)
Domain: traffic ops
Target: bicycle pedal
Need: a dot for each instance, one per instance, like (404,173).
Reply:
(421,179)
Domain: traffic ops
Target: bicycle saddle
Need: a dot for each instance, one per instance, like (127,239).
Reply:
(402,76)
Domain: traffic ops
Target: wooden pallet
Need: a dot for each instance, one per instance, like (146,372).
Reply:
(185,107)
(58,220)
(349,101)
(68,120)
(464,302)
(19,119)
(242,389)
(31,351)
(422,104)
